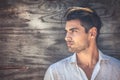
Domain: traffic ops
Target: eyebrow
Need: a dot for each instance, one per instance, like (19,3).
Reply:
(73,29)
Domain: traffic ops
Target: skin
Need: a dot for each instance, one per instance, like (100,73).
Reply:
(83,44)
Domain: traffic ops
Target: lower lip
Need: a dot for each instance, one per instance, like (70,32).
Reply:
(69,44)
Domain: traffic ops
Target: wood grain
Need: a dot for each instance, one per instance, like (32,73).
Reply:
(32,34)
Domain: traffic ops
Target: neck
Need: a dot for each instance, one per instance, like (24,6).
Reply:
(88,57)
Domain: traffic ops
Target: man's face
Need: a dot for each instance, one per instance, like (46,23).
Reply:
(76,37)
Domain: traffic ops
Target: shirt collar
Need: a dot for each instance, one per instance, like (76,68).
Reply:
(102,57)
(73,58)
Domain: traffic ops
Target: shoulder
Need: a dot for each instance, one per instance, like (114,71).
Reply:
(57,69)
(113,67)
(61,63)
(115,63)
(112,59)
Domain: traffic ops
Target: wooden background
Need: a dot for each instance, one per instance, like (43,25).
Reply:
(32,34)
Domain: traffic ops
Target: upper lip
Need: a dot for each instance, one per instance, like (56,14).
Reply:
(69,43)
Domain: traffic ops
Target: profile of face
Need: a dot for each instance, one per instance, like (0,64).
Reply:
(76,38)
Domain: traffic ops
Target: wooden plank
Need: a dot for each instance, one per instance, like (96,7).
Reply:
(32,34)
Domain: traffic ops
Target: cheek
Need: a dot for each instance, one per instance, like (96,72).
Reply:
(81,40)
(80,37)
(85,42)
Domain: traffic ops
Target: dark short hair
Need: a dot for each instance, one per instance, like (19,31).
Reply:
(88,17)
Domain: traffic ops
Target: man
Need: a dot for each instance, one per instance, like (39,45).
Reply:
(88,62)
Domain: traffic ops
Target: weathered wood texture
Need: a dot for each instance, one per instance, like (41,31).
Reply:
(32,34)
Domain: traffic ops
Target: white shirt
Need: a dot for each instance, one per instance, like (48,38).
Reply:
(107,68)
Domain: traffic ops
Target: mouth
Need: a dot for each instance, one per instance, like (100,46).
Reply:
(69,43)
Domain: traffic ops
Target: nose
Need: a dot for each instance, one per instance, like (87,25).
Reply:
(67,37)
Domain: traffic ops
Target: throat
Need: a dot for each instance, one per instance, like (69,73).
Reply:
(87,63)
(88,70)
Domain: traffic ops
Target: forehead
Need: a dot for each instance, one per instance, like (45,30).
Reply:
(73,24)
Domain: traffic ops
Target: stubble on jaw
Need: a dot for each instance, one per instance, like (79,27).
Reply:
(78,49)
(75,50)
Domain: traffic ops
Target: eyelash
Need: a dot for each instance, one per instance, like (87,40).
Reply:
(73,30)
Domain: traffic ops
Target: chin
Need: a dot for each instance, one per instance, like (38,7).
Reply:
(71,50)
(74,50)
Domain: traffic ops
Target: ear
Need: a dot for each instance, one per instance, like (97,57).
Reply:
(93,32)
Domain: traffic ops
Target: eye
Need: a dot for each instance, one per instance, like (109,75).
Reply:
(74,30)
(65,31)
